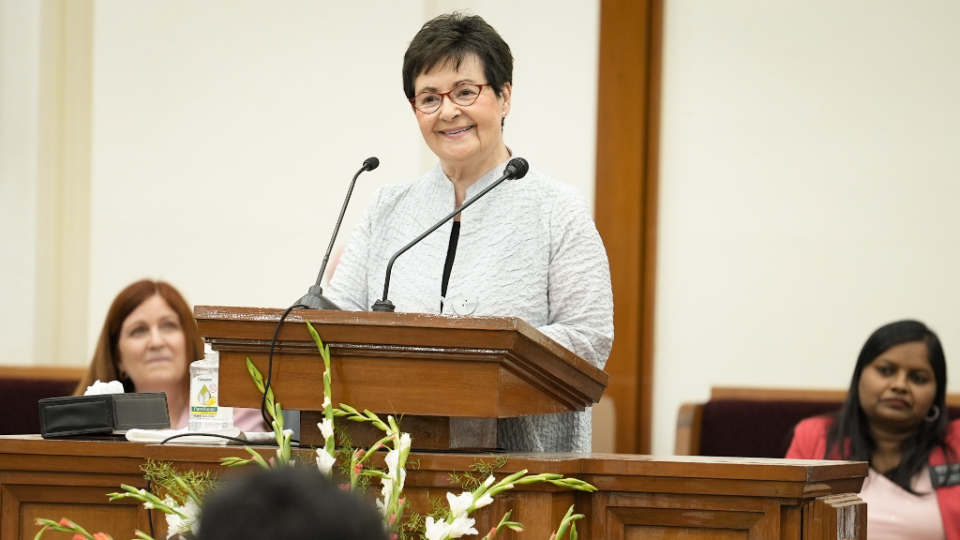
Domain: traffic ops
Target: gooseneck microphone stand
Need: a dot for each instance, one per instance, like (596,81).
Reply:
(314,299)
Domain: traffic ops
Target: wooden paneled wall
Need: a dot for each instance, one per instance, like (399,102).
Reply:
(626,201)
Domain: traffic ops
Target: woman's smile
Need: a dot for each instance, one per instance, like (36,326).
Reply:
(468,139)
(454,133)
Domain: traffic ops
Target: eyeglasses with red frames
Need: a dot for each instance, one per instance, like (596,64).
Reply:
(464,95)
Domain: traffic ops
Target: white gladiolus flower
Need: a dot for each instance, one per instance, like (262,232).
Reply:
(187,523)
(392,460)
(326,402)
(387,493)
(461,526)
(325,461)
(387,488)
(489,481)
(483,501)
(191,510)
(393,468)
(326,428)
(459,504)
(405,442)
(436,530)
(174,525)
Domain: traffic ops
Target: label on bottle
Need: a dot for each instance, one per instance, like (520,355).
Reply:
(204,397)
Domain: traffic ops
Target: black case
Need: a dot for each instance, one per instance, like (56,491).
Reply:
(106,413)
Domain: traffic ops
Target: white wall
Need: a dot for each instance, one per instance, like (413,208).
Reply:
(19,98)
(225,134)
(810,172)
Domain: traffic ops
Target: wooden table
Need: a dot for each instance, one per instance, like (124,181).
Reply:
(639,496)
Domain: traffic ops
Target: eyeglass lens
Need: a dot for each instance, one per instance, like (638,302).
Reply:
(463,95)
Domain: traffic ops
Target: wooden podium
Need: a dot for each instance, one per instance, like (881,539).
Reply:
(451,379)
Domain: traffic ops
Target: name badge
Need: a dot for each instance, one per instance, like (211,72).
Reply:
(462,304)
(945,475)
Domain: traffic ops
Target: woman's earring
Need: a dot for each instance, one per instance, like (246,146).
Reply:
(933,417)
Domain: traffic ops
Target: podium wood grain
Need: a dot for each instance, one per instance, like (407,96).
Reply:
(410,364)
(639,496)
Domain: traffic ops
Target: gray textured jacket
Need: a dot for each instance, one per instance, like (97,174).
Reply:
(528,249)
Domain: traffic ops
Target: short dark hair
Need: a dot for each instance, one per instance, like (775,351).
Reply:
(451,38)
(288,503)
(852,424)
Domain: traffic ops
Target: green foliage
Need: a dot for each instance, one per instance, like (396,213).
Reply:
(568,522)
(469,482)
(438,508)
(344,455)
(505,523)
(178,484)
(412,529)
(259,381)
(64,525)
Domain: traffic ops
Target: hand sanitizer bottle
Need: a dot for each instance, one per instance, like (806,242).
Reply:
(205,411)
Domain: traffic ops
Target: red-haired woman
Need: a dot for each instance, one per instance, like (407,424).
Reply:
(148,341)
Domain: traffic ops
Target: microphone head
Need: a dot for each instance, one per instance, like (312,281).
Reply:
(371,163)
(516,168)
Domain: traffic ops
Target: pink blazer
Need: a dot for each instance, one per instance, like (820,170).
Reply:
(810,442)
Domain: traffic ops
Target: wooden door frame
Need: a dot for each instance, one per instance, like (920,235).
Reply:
(628,133)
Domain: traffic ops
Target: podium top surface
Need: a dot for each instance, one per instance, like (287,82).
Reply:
(482,367)
(344,326)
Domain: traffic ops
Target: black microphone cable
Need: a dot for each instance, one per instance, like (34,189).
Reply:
(273,344)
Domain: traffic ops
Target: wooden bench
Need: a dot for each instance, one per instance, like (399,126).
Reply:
(21,387)
(756,422)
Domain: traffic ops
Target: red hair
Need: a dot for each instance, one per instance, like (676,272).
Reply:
(104,366)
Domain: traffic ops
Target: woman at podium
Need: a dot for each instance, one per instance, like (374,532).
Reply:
(895,418)
(527,249)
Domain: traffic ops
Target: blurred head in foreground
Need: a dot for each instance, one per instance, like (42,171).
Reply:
(289,504)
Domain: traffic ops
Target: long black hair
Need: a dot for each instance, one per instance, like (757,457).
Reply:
(850,438)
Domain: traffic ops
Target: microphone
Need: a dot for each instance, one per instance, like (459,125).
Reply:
(314,299)
(516,168)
